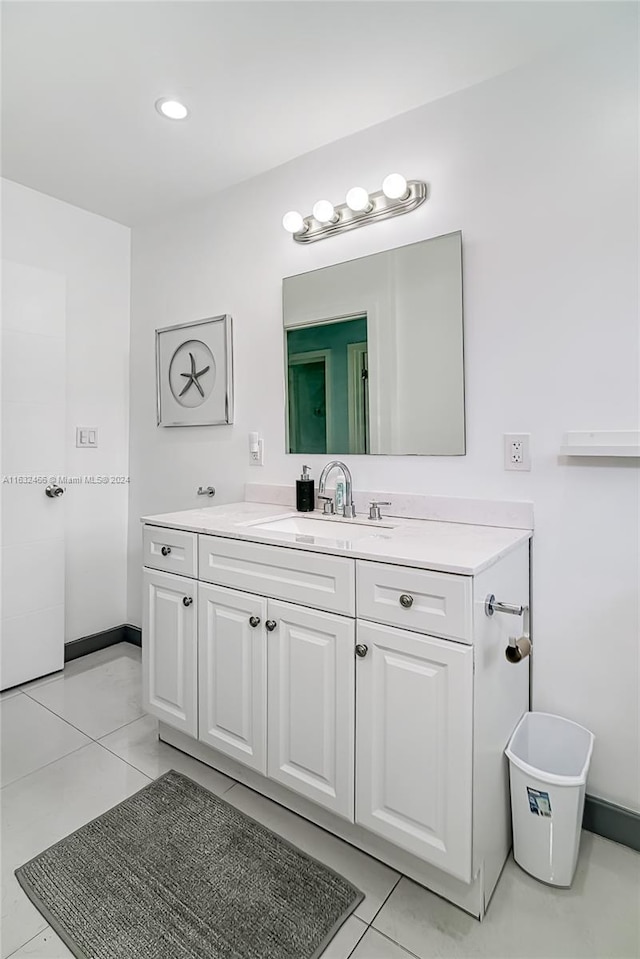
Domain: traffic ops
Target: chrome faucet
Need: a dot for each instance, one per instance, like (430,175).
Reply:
(348,509)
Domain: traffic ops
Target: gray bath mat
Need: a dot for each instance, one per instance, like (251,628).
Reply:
(174,872)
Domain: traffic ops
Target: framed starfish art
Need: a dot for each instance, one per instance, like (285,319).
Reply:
(194,371)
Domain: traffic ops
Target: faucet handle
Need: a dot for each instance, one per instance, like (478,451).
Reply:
(328,506)
(374,508)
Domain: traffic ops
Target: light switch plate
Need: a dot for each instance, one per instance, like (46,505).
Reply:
(86,437)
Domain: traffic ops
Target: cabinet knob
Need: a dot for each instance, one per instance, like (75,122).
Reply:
(254,621)
(361,650)
(271,625)
(187,600)
(165,550)
(406,601)
(54,491)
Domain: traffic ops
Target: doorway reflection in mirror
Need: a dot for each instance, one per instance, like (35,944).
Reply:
(328,387)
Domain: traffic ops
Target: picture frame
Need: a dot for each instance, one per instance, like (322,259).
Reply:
(194,373)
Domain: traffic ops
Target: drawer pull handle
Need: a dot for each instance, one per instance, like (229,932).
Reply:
(187,600)
(254,621)
(165,550)
(361,650)
(271,625)
(406,601)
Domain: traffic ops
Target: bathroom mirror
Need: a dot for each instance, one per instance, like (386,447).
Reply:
(374,353)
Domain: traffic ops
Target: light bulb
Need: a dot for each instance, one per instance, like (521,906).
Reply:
(293,222)
(324,212)
(358,199)
(172,109)
(394,186)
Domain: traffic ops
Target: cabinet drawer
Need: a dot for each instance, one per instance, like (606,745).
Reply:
(309,579)
(171,550)
(417,599)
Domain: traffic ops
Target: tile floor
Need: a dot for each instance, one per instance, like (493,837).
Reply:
(76,743)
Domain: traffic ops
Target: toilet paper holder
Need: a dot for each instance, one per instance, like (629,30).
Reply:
(491,606)
(519,647)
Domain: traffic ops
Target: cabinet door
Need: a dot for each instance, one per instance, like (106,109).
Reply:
(311,705)
(233,674)
(169,654)
(414,744)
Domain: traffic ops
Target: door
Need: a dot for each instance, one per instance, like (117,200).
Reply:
(414,744)
(169,653)
(311,704)
(310,402)
(232,658)
(33,457)
(358,397)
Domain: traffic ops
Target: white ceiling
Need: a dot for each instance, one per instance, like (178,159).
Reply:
(265,82)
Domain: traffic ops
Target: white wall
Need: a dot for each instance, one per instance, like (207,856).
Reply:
(538,168)
(94,255)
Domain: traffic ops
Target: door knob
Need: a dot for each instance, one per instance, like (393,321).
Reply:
(271,625)
(254,621)
(406,601)
(187,600)
(165,550)
(54,491)
(361,650)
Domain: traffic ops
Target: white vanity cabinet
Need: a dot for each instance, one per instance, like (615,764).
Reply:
(311,701)
(414,720)
(372,697)
(169,652)
(414,730)
(232,670)
(276,691)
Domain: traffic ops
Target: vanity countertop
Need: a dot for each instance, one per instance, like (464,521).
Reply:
(447,547)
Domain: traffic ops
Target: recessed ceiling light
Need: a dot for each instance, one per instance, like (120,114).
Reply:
(172,109)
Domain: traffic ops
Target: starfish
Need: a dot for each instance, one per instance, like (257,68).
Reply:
(193,376)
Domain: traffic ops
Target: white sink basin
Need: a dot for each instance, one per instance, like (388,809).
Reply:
(334,529)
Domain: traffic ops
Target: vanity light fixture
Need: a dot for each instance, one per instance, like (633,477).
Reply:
(171,109)
(293,222)
(394,187)
(396,196)
(324,212)
(357,199)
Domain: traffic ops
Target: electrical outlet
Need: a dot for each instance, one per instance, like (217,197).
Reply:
(517,451)
(256,449)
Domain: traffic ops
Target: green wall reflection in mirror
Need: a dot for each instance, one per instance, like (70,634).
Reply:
(327,370)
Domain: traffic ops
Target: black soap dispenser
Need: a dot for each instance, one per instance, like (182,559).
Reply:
(305,499)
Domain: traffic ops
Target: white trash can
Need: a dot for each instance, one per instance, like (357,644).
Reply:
(548,765)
